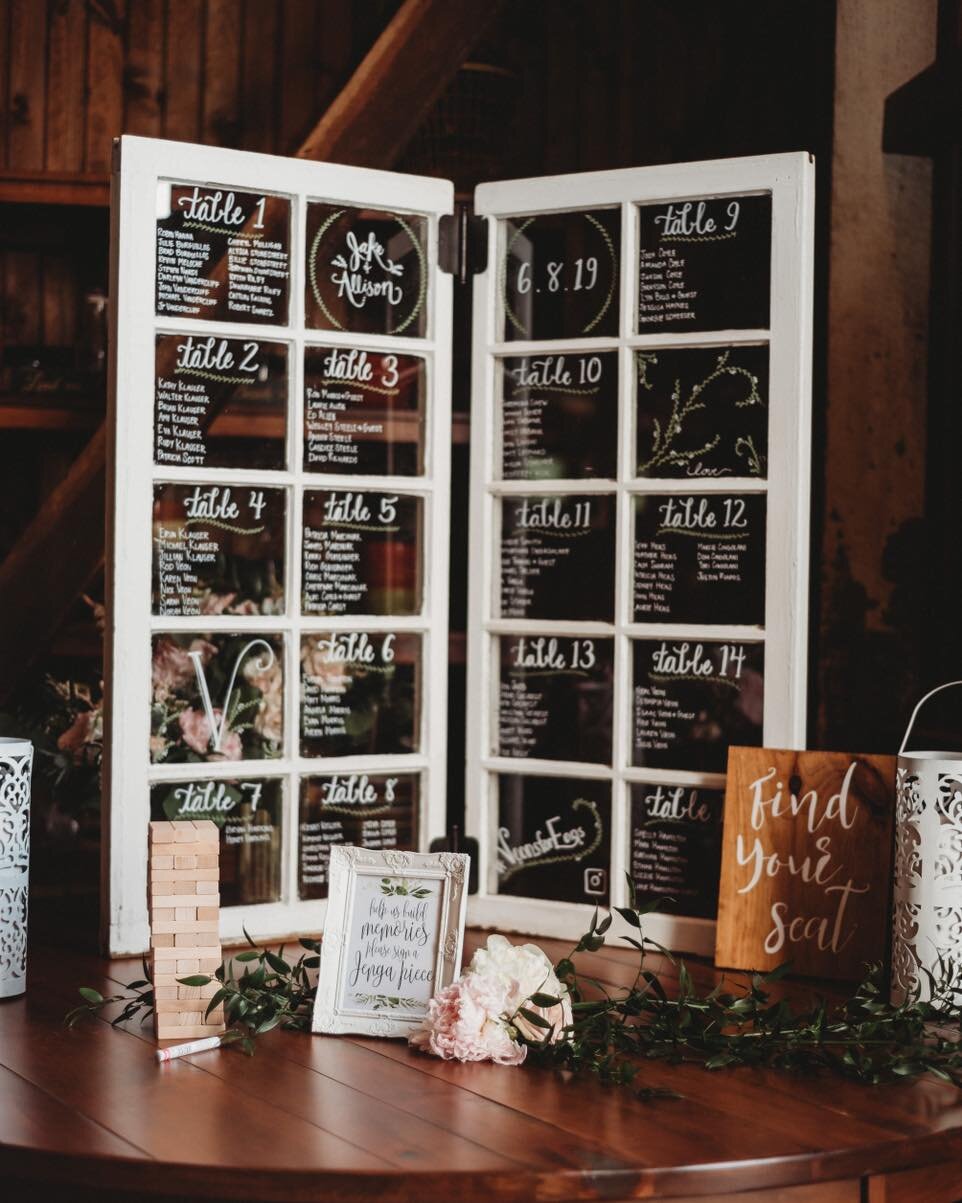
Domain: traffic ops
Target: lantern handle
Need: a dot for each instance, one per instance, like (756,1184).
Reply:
(921,702)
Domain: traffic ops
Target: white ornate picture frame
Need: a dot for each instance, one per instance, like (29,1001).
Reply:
(392,939)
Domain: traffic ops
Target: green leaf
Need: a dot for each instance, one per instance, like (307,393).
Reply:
(195,979)
(247,956)
(91,995)
(278,964)
(534,1018)
(544,1000)
(629,916)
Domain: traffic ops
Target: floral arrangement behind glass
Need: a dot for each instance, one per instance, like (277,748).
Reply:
(180,730)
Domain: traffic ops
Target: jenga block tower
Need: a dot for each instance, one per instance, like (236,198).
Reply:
(183,885)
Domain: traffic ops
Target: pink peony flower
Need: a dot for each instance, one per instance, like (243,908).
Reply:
(196,732)
(465,1022)
(173,668)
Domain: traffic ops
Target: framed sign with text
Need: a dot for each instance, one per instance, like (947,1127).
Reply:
(806,872)
(392,939)
(640,506)
(278,521)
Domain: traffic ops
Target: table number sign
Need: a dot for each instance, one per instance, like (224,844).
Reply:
(278,545)
(806,861)
(392,938)
(640,465)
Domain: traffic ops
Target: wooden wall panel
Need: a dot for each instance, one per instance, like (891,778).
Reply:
(258,91)
(28,36)
(66,41)
(105,82)
(182,80)
(144,67)
(222,60)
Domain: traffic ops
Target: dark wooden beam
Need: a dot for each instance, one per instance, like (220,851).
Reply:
(925,114)
(376,114)
(369,124)
(53,561)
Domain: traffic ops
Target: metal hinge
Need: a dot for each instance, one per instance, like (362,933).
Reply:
(462,243)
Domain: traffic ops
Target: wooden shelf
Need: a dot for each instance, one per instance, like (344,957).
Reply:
(50,411)
(54,188)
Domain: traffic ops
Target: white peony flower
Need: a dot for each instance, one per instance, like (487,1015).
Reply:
(523,970)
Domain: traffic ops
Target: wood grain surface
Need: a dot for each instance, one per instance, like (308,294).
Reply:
(806,861)
(344,1118)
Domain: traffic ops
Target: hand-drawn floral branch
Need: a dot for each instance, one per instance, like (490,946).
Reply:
(663,450)
(390,1002)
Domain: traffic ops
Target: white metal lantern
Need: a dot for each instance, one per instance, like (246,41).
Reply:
(927,895)
(16,760)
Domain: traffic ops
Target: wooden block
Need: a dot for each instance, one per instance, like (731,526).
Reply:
(198,992)
(207,863)
(161,862)
(162,831)
(163,969)
(162,993)
(161,889)
(174,1006)
(185,832)
(208,887)
(185,862)
(170,1032)
(191,1018)
(200,953)
(191,900)
(187,965)
(181,914)
(209,964)
(208,912)
(194,849)
(207,829)
(161,912)
(162,980)
(201,873)
(184,927)
(161,939)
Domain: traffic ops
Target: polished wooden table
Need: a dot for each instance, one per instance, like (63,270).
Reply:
(89,1114)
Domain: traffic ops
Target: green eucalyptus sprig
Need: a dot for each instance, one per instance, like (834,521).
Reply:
(864,1036)
(269,992)
(613,1032)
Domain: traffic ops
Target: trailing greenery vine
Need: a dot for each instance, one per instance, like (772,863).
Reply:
(613,1032)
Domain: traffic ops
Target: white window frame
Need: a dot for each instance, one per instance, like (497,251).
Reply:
(789,178)
(140,164)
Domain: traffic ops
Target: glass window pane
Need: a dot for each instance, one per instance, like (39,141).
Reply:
(363,412)
(558,557)
(220,402)
(250,815)
(222,255)
(368,810)
(554,838)
(692,698)
(699,559)
(555,699)
(367,271)
(559,417)
(702,411)
(362,553)
(559,275)
(218,549)
(705,264)
(676,847)
(216,697)
(360,693)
